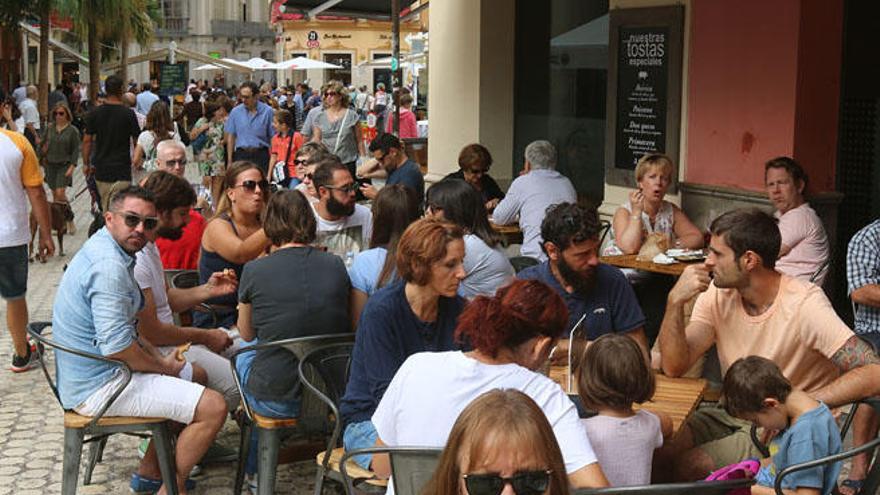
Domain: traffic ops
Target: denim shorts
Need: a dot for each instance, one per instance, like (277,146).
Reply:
(13,272)
(361,435)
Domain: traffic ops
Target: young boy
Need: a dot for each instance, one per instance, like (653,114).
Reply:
(755,390)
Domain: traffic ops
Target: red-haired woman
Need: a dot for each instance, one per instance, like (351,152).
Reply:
(416,314)
(512,334)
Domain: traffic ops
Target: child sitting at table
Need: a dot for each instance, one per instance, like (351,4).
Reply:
(613,375)
(755,390)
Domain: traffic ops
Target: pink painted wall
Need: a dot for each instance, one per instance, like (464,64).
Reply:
(758,89)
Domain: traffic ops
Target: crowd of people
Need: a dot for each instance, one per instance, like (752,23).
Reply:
(450,341)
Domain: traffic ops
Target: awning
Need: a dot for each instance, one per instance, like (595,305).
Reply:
(350,8)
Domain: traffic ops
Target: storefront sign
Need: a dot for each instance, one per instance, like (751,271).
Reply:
(172,79)
(334,36)
(313,41)
(644,88)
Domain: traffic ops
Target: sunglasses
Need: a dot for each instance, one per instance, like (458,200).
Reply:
(175,163)
(61,113)
(132,220)
(330,93)
(300,161)
(307,176)
(523,483)
(251,185)
(351,188)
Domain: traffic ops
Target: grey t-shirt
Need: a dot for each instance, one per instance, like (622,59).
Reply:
(345,147)
(294,292)
(487,268)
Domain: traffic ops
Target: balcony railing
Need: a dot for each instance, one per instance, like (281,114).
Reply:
(239,29)
(173,26)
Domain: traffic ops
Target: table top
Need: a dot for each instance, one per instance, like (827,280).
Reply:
(505,229)
(676,397)
(630,261)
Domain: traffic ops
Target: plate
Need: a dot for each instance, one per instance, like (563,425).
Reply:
(690,257)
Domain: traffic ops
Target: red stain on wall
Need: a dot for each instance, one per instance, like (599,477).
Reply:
(748,142)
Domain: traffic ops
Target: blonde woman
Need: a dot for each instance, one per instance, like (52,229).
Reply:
(338,126)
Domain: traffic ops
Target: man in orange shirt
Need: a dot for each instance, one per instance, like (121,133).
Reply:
(748,308)
(20,181)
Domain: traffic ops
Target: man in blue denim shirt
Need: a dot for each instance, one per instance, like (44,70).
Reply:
(94,312)
(249,128)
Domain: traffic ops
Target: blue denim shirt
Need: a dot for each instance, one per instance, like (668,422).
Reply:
(94,311)
(251,130)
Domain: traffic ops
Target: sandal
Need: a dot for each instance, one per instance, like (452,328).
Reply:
(854,485)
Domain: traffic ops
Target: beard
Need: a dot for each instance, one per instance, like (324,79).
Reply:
(170,233)
(339,209)
(582,283)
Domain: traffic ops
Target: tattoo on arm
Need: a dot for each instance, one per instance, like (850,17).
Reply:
(853,354)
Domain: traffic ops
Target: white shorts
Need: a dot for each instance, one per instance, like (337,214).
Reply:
(148,395)
(216,366)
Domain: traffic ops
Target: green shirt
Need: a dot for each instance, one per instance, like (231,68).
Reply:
(63,147)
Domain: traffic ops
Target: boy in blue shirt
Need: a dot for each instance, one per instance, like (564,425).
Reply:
(755,390)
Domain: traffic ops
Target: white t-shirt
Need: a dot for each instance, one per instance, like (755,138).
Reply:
(625,446)
(487,268)
(348,234)
(149,274)
(431,389)
(29,113)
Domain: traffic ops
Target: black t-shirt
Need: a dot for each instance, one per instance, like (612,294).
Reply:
(113,127)
(294,292)
(490,190)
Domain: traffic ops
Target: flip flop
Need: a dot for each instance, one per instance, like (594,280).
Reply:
(854,485)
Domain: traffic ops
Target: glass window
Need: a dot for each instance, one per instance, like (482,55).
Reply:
(343,74)
(560,79)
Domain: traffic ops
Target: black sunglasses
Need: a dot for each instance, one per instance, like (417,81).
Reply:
(132,220)
(300,161)
(351,188)
(251,185)
(523,483)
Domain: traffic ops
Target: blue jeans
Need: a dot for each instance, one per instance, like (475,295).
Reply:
(360,436)
(270,408)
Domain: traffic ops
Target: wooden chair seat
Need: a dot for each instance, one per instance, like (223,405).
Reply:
(78,421)
(353,469)
(273,423)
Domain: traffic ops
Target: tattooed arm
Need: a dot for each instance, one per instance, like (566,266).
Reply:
(859,374)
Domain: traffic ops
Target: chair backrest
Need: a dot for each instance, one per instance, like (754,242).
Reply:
(411,467)
(332,363)
(520,263)
(695,487)
(869,485)
(299,346)
(36,331)
(185,279)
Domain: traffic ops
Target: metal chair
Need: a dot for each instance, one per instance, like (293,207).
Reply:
(520,263)
(411,467)
(694,487)
(270,429)
(869,486)
(331,364)
(80,429)
(187,279)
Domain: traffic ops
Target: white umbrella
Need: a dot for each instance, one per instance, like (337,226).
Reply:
(258,63)
(303,63)
(209,67)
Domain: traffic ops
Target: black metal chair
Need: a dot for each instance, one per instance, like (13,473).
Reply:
(691,488)
(871,483)
(187,279)
(79,429)
(411,467)
(520,263)
(270,429)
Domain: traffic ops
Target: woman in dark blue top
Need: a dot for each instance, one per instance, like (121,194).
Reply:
(417,314)
(235,235)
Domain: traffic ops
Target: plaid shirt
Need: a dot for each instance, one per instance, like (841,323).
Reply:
(863,268)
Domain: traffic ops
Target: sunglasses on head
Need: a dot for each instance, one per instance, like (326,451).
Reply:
(132,220)
(251,185)
(523,483)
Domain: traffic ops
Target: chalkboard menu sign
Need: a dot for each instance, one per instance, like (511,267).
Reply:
(644,90)
(172,79)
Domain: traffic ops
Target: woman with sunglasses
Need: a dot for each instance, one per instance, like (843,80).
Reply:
(234,236)
(502,439)
(209,146)
(338,126)
(305,161)
(61,150)
(512,334)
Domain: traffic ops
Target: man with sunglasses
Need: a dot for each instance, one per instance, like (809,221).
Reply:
(388,152)
(344,227)
(96,310)
(249,128)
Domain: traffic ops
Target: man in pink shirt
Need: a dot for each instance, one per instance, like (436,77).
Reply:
(745,307)
(804,252)
(408,126)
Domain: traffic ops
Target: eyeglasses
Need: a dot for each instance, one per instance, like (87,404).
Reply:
(307,176)
(351,188)
(301,161)
(62,112)
(176,163)
(132,220)
(330,93)
(251,185)
(523,483)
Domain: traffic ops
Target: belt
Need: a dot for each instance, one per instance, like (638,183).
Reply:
(252,149)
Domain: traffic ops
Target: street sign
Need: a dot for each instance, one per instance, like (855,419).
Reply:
(395,63)
(172,79)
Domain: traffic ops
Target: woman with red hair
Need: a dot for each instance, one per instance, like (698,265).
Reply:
(511,335)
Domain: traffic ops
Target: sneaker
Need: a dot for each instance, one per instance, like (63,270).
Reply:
(250,481)
(141,484)
(22,364)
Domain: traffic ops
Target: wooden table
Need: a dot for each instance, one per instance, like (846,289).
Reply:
(676,397)
(511,233)
(630,261)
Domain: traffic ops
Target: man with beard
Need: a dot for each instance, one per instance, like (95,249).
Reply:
(179,250)
(95,311)
(344,227)
(592,289)
(744,307)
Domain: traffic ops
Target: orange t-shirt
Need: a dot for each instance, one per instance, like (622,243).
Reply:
(799,332)
(280,145)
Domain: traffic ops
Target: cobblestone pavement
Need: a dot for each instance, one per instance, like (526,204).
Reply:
(31,428)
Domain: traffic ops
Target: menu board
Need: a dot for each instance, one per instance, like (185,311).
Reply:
(172,79)
(644,88)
